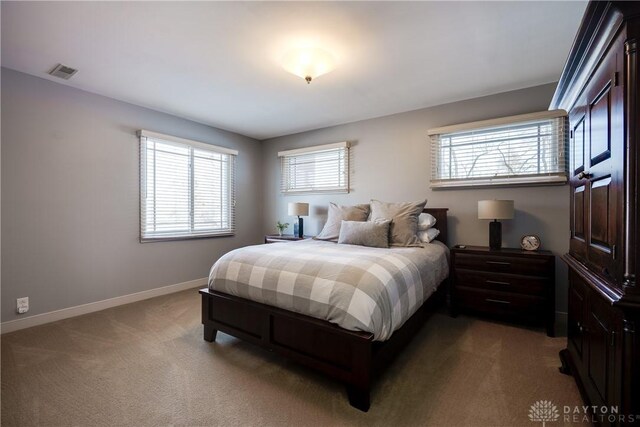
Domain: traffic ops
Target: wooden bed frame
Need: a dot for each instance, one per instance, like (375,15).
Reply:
(352,358)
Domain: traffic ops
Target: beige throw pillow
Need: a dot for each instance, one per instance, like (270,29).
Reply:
(404,220)
(374,234)
(336,215)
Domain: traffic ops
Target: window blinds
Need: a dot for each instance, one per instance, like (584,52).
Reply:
(526,149)
(187,188)
(322,168)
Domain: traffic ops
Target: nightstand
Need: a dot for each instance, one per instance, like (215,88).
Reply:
(509,284)
(276,238)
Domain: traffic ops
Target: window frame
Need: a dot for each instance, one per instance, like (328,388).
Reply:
(559,145)
(345,163)
(143,137)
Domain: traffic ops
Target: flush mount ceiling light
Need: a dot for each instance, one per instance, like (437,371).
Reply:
(308,63)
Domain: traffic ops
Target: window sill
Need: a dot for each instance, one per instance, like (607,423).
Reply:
(299,192)
(189,237)
(488,183)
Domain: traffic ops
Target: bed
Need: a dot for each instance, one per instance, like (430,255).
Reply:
(351,343)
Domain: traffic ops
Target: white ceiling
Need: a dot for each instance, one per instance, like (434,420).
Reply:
(219,63)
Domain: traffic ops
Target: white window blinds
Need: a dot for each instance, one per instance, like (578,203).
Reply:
(526,149)
(322,168)
(187,188)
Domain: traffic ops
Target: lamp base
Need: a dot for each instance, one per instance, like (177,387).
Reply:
(300,227)
(495,235)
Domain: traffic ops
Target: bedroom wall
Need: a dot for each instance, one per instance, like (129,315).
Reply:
(391,162)
(70,198)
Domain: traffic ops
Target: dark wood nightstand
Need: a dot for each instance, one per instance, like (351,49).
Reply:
(510,284)
(276,238)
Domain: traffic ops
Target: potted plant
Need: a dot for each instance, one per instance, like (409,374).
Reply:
(281,227)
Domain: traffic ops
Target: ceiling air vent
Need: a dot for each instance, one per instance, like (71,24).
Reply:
(63,71)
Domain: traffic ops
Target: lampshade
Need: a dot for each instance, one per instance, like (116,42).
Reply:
(308,63)
(495,209)
(298,209)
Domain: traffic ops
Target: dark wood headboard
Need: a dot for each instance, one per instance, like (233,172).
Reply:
(440,214)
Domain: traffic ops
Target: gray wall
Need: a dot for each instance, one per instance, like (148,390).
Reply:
(391,162)
(70,198)
(69,180)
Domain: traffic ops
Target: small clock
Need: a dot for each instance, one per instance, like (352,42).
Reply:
(530,242)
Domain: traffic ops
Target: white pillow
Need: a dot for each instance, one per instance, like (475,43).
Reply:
(426,221)
(429,235)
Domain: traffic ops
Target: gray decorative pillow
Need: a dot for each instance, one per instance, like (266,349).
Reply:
(404,220)
(370,233)
(336,215)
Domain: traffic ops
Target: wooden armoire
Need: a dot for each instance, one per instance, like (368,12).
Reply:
(599,89)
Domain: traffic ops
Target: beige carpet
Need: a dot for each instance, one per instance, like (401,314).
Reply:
(147,364)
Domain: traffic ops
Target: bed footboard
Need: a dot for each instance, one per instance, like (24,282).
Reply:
(352,358)
(341,354)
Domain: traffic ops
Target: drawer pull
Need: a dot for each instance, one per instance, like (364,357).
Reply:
(495,282)
(499,301)
(498,262)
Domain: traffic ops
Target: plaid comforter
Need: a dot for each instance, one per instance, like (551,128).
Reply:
(358,288)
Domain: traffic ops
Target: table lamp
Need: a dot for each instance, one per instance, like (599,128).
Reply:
(299,210)
(495,210)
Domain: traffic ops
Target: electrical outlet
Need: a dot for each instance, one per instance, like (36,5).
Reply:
(22,305)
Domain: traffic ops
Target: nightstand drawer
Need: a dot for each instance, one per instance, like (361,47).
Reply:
(500,303)
(527,265)
(529,285)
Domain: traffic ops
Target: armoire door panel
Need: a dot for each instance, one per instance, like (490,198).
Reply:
(599,213)
(578,212)
(578,146)
(598,354)
(602,342)
(575,324)
(600,126)
(579,192)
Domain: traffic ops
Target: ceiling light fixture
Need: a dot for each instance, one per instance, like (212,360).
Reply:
(308,63)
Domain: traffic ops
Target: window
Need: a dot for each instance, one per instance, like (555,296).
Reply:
(323,168)
(526,149)
(186,188)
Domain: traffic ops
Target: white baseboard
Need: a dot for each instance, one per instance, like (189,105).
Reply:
(65,313)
